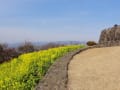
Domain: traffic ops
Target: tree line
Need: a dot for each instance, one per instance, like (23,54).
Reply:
(7,53)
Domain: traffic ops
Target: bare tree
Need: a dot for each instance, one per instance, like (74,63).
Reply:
(26,47)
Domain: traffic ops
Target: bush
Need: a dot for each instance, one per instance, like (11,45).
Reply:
(26,48)
(91,43)
(1,48)
(50,45)
(7,53)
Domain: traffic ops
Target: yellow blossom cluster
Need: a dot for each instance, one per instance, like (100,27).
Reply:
(24,72)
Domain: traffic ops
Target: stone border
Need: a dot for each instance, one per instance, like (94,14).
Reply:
(57,76)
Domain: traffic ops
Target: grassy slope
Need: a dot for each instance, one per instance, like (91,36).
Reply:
(24,72)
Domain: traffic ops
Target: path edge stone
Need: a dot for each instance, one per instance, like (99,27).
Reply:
(56,77)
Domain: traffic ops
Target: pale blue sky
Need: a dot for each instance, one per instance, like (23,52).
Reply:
(56,20)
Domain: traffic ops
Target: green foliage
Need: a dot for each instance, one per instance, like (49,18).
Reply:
(91,43)
(24,72)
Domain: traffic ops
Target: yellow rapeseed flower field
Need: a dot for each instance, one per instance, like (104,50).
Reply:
(24,72)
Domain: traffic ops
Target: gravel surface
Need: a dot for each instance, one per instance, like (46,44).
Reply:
(95,69)
(57,76)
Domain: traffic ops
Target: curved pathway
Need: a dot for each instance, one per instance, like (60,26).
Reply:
(95,69)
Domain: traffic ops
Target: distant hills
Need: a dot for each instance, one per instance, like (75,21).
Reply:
(44,43)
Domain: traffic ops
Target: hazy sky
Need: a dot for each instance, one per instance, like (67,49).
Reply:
(56,20)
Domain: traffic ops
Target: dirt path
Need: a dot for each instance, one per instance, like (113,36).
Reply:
(95,69)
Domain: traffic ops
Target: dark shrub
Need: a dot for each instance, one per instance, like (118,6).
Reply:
(7,53)
(26,48)
(115,25)
(50,45)
(1,48)
(91,43)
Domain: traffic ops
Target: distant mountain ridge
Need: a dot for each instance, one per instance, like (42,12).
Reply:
(44,43)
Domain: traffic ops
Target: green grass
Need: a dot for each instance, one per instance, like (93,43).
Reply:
(24,72)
